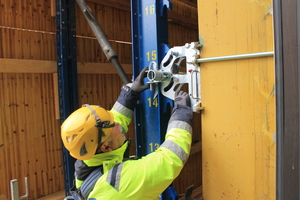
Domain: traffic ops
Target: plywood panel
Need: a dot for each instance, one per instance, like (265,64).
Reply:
(238,99)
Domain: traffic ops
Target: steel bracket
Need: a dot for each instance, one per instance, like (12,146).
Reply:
(172,76)
(14,187)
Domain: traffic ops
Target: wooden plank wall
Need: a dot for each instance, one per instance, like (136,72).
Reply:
(30,144)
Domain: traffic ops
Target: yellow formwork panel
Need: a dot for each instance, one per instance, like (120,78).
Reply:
(238,121)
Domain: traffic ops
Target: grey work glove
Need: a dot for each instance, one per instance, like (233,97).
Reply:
(138,84)
(182,98)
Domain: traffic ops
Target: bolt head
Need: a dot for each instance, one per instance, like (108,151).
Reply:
(187,45)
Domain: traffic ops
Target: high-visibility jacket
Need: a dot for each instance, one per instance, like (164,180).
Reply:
(149,176)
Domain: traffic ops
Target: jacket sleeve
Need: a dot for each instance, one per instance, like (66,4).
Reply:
(124,106)
(149,176)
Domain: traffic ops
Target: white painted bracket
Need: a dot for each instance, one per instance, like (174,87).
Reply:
(14,189)
(171,77)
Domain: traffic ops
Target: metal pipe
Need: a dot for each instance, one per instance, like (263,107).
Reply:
(298,38)
(102,39)
(235,57)
(280,113)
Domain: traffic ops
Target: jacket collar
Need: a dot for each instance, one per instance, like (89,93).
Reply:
(108,159)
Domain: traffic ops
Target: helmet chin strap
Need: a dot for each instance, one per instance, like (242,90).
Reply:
(99,124)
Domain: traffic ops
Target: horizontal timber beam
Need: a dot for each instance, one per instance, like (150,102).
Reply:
(125,4)
(182,21)
(190,2)
(197,147)
(173,17)
(44,66)
(119,4)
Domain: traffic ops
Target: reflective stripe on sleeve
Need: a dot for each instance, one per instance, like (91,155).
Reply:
(175,148)
(113,176)
(123,110)
(180,124)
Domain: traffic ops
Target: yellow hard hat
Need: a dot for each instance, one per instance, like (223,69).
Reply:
(85,129)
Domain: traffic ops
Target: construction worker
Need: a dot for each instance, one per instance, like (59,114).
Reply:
(95,137)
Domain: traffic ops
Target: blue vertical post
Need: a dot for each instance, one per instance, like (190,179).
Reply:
(150,43)
(67,73)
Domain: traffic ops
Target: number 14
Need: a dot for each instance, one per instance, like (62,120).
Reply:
(153,103)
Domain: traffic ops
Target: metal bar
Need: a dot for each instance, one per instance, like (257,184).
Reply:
(150,38)
(14,189)
(298,38)
(67,73)
(235,57)
(26,189)
(102,39)
(279,97)
(52,33)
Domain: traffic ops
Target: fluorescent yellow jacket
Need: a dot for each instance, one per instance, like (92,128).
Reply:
(123,112)
(149,176)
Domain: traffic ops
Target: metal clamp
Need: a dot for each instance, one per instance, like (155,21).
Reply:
(172,76)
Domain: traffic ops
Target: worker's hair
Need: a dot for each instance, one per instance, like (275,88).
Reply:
(108,139)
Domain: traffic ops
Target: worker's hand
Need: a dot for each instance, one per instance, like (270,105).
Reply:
(182,98)
(138,84)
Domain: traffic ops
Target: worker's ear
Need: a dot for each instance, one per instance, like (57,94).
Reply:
(104,147)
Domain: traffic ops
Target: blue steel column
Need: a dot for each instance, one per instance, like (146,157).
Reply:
(67,73)
(150,39)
